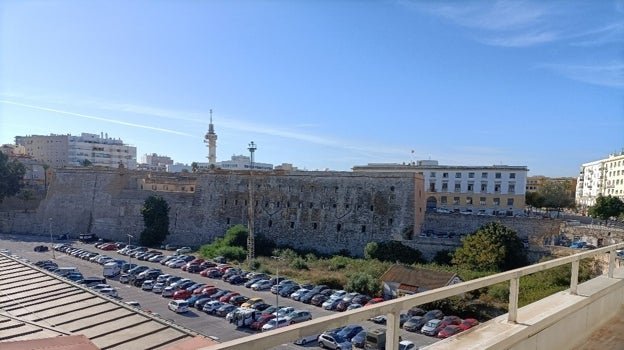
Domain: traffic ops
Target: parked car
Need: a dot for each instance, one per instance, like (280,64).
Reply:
(319,299)
(359,339)
(158,287)
(261,285)
(212,306)
(449,331)
(434,314)
(296,295)
(274,323)
(261,321)
(225,309)
(431,328)
(330,340)
(181,294)
(111,292)
(416,311)
(178,306)
(184,250)
(450,320)
(350,331)
(298,316)
(148,285)
(41,248)
(331,304)
(252,301)
(407,345)
(414,323)
(468,323)
(238,300)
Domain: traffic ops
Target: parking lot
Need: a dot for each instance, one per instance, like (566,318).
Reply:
(209,325)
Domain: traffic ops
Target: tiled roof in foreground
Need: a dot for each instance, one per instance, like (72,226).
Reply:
(36,304)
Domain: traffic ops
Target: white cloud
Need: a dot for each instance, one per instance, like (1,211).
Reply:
(611,74)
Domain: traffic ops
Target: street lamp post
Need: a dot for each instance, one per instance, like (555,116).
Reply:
(277,258)
(51,240)
(129,237)
(250,237)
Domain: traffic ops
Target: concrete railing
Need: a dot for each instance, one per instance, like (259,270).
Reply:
(393,308)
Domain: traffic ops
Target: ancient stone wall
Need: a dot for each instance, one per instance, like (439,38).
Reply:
(325,211)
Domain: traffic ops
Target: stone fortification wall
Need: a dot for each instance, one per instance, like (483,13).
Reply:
(325,211)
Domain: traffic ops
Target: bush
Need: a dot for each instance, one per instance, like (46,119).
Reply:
(299,264)
(363,283)
(331,282)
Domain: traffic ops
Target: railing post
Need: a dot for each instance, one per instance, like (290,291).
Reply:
(574,277)
(611,263)
(514,291)
(392,331)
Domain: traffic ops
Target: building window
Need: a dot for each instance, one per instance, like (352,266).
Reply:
(432,174)
(496,201)
(484,175)
(227,221)
(471,175)
(457,187)
(445,175)
(497,188)
(363,228)
(314,225)
(311,205)
(443,200)
(392,188)
(498,175)
(512,188)
(456,200)
(468,200)
(512,175)
(470,187)
(371,208)
(292,224)
(458,175)
(432,187)
(482,201)
(510,202)
(390,222)
(338,227)
(270,223)
(445,187)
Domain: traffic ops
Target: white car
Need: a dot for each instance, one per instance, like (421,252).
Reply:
(273,324)
(168,292)
(111,292)
(148,285)
(184,250)
(100,286)
(178,306)
(261,285)
(158,287)
(176,263)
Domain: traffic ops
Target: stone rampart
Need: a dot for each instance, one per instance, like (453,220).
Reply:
(324,211)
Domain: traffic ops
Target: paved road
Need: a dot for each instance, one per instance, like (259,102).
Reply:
(196,320)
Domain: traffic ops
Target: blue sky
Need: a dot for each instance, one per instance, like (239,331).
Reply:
(323,84)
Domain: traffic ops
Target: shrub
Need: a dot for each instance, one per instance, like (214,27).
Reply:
(299,264)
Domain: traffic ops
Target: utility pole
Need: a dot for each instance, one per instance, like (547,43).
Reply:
(51,240)
(250,224)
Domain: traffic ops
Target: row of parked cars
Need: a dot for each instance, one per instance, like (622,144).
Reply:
(431,323)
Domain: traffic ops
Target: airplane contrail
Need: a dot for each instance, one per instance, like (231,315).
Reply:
(113,121)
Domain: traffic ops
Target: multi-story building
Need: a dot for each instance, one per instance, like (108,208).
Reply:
(604,177)
(535,183)
(239,162)
(154,162)
(498,189)
(87,149)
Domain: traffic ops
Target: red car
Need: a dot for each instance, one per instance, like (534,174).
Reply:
(201,290)
(226,298)
(468,323)
(374,301)
(257,325)
(182,294)
(109,246)
(207,271)
(450,320)
(449,331)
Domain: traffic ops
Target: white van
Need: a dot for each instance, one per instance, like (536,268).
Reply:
(178,306)
(111,269)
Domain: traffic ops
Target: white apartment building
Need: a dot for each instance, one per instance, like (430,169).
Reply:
(67,150)
(497,189)
(601,177)
(236,163)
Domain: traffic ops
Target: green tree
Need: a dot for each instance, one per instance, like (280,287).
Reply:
(194,167)
(443,257)
(236,236)
(492,247)
(156,221)
(557,195)
(534,199)
(606,207)
(393,251)
(11,176)
(363,283)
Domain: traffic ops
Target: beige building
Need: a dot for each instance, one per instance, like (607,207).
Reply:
(535,183)
(485,190)
(66,150)
(604,177)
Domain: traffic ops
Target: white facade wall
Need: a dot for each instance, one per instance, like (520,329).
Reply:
(601,177)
